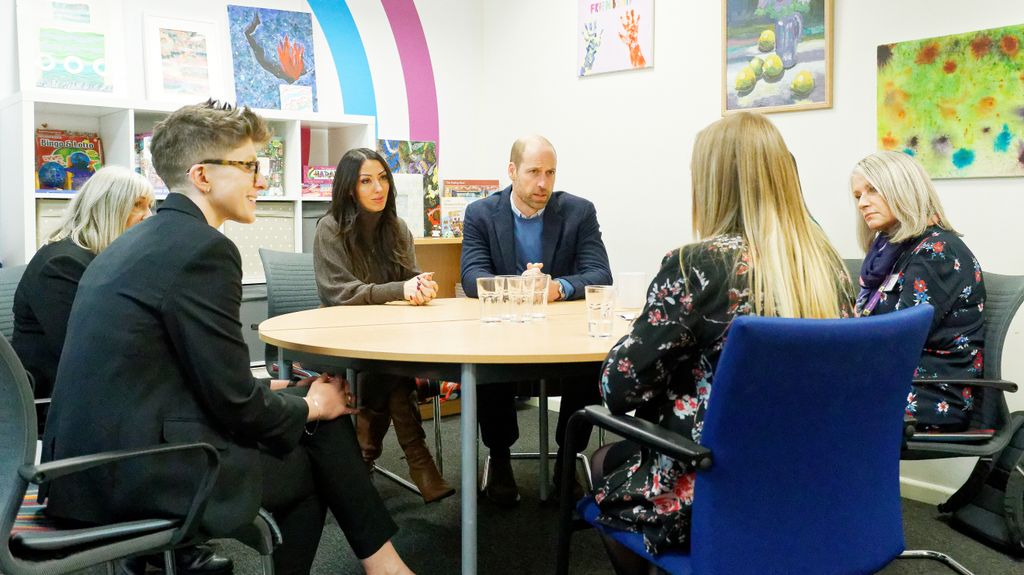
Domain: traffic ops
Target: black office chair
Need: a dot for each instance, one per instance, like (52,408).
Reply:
(291,287)
(9,279)
(47,547)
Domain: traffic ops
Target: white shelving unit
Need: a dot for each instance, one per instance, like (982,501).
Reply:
(117,120)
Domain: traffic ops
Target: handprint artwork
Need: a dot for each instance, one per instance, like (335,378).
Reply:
(592,38)
(629,35)
(631,20)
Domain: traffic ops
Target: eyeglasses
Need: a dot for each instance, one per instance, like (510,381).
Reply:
(249,166)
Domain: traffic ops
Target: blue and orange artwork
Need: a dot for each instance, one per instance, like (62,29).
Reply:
(405,157)
(956,103)
(272,55)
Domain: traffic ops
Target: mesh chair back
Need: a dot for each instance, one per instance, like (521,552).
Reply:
(291,283)
(9,278)
(291,286)
(1003,296)
(805,422)
(17,443)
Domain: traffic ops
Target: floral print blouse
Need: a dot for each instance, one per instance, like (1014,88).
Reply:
(940,270)
(666,364)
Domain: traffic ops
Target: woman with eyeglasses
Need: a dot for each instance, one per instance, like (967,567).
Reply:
(363,253)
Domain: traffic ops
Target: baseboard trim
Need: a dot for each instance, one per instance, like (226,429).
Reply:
(923,491)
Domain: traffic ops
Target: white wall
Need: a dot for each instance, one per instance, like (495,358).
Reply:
(8,45)
(624,140)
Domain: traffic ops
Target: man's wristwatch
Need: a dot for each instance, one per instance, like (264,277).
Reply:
(561,290)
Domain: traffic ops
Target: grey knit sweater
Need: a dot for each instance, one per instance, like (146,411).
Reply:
(334,278)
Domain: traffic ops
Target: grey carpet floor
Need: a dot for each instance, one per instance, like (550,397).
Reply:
(523,540)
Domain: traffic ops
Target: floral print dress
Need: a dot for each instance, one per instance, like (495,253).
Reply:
(940,270)
(666,364)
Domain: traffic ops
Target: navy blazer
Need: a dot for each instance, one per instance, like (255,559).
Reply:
(571,241)
(155,355)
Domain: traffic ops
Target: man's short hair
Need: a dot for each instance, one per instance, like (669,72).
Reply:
(201,132)
(519,146)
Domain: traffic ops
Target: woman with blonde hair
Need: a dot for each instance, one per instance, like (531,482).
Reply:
(914,256)
(113,200)
(759,252)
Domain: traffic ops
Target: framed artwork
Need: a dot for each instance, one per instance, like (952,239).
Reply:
(613,36)
(70,45)
(777,55)
(955,102)
(184,60)
(272,57)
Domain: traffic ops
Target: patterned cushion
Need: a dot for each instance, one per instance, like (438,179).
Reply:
(31,516)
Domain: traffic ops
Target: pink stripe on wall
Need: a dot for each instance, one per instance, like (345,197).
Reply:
(419,74)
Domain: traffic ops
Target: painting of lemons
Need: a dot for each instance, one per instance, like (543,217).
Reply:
(778,55)
(956,103)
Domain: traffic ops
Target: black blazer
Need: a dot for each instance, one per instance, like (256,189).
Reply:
(42,305)
(155,355)
(571,241)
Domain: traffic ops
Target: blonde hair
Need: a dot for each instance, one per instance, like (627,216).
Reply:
(745,183)
(99,212)
(908,191)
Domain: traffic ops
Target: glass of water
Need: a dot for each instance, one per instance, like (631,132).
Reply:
(540,295)
(600,308)
(490,293)
(631,294)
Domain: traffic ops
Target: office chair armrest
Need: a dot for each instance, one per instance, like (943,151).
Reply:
(653,436)
(1000,384)
(47,471)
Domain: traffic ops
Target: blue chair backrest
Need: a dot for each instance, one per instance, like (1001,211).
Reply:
(805,421)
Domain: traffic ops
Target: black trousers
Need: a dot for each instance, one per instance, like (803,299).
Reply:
(496,411)
(325,472)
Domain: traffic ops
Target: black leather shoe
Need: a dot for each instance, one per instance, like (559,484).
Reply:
(501,483)
(193,560)
(201,560)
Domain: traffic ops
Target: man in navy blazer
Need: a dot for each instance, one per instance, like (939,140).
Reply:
(524,227)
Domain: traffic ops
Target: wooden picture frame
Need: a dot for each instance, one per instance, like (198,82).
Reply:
(776,55)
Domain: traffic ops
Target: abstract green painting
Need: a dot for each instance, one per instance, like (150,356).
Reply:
(956,103)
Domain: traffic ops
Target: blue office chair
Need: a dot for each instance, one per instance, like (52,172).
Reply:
(798,466)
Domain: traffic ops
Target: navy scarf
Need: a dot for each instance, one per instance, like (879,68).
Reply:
(878,264)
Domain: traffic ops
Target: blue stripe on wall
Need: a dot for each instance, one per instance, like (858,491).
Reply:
(349,56)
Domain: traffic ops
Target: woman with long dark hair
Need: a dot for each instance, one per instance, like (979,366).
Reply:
(363,253)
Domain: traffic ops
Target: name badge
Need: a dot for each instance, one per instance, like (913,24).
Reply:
(890,282)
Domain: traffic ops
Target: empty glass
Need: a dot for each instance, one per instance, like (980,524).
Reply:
(519,298)
(631,294)
(600,305)
(490,293)
(540,295)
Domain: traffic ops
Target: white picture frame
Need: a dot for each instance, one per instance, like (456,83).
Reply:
(86,37)
(184,60)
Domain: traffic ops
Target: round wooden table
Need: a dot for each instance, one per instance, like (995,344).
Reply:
(446,340)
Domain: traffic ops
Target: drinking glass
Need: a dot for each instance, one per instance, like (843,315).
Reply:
(519,292)
(489,292)
(540,296)
(600,305)
(631,288)
(506,299)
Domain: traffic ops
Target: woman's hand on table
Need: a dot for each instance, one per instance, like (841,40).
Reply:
(420,289)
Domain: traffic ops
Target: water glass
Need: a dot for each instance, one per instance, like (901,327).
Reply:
(519,298)
(600,307)
(540,295)
(631,288)
(490,293)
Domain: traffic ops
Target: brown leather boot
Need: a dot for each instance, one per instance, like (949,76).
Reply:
(371,427)
(405,412)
